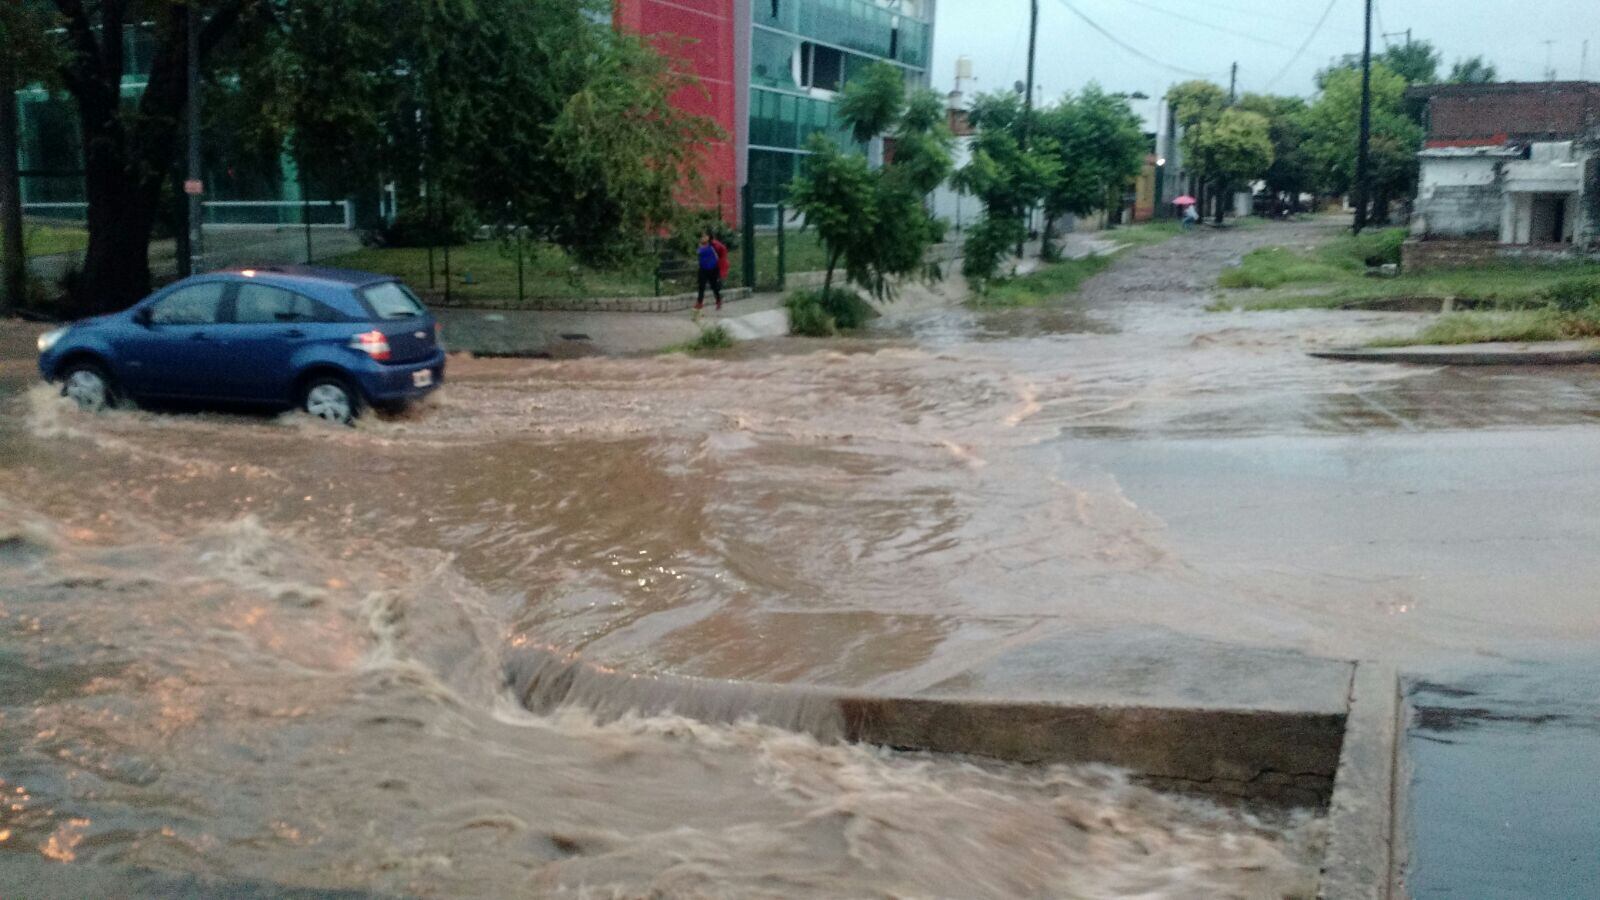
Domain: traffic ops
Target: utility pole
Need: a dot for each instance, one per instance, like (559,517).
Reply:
(1027,105)
(194,183)
(1233,84)
(1364,147)
(1583,62)
(1549,69)
(1027,96)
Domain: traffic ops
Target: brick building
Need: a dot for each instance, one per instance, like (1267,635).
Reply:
(1514,163)
(771,71)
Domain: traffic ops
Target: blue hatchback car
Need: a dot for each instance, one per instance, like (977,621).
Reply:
(329,341)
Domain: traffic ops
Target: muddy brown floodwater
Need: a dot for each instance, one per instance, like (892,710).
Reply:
(257,653)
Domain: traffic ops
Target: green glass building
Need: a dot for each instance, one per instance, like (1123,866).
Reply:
(802,52)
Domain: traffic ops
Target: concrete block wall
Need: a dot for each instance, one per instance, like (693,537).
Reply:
(1461,210)
(1432,255)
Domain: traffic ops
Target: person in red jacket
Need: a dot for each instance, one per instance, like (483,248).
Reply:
(722,264)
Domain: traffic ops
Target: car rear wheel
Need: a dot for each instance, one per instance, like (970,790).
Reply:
(332,399)
(88,385)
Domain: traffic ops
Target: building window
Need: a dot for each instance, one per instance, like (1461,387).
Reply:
(821,67)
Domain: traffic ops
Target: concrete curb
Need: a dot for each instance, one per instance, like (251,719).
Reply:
(1497,354)
(1362,860)
(1285,757)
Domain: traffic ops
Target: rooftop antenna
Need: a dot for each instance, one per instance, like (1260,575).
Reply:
(1549,69)
(1583,62)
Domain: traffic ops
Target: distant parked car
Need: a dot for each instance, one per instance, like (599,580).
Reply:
(329,341)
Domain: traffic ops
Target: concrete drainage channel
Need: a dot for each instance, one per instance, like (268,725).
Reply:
(1343,761)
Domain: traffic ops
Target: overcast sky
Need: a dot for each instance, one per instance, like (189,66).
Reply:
(1261,35)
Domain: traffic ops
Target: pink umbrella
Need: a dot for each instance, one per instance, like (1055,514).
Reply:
(1185,200)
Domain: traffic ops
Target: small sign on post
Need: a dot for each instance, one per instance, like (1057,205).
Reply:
(194,187)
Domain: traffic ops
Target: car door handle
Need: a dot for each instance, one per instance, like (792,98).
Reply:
(294,333)
(199,336)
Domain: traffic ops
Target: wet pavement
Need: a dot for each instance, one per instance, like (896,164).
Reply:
(260,649)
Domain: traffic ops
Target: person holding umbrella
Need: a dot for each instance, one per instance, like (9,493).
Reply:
(1190,215)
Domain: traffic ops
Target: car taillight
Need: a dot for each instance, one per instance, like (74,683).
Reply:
(373,343)
(438,333)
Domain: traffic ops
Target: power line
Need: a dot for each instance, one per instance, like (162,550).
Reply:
(1128,48)
(1212,4)
(1302,51)
(1204,24)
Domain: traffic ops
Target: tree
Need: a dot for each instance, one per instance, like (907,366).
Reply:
(130,148)
(1332,128)
(1290,173)
(836,195)
(1007,179)
(874,222)
(1100,147)
(872,102)
(1472,70)
(1196,105)
(525,114)
(28,58)
(1415,61)
(1222,145)
(1236,148)
(1196,102)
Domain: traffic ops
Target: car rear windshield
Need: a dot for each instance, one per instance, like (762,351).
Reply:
(392,300)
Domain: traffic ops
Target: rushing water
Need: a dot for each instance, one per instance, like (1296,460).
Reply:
(267,651)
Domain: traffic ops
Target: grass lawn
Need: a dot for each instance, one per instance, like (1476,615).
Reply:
(1344,259)
(1503,325)
(1508,301)
(39,239)
(1042,287)
(487,270)
(1055,281)
(1145,234)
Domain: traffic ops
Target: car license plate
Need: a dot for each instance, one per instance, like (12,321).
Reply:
(422,377)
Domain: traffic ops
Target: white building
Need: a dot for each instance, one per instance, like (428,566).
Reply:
(1532,194)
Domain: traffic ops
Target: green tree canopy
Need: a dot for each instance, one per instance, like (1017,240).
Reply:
(1100,147)
(1006,178)
(532,115)
(1417,62)
(529,114)
(1236,148)
(1196,102)
(1473,70)
(872,101)
(875,223)
(1332,127)
(1290,172)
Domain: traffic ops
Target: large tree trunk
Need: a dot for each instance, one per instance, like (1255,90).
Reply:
(126,160)
(14,283)
(127,154)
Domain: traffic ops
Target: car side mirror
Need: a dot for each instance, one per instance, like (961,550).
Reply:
(142,316)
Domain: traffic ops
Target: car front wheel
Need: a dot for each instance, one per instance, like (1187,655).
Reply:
(331,399)
(88,385)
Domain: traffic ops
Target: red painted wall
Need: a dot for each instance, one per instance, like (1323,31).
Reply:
(702,33)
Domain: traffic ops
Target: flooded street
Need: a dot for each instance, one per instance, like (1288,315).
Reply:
(260,651)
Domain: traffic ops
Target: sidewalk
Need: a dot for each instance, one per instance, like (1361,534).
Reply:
(564,335)
(1544,353)
(568,334)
